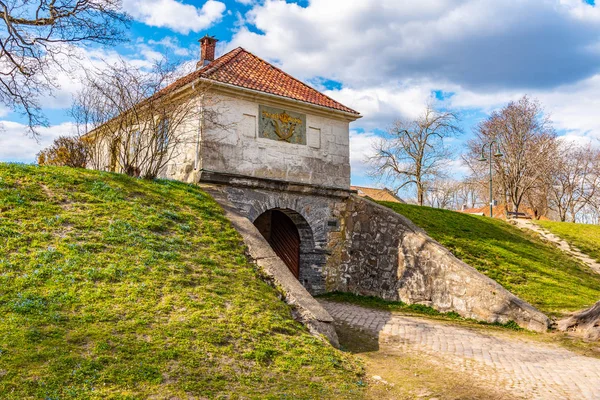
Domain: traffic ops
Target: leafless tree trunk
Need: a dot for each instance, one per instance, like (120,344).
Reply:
(444,193)
(468,193)
(37,36)
(414,152)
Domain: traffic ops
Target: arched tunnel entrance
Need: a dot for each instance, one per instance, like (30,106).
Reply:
(291,238)
(283,236)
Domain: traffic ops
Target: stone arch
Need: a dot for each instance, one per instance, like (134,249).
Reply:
(311,259)
(314,213)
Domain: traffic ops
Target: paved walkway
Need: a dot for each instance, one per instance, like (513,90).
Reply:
(525,368)
(561,243)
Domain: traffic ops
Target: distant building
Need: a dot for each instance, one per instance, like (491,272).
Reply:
(384,194)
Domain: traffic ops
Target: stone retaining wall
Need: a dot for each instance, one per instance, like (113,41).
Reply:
(381,253)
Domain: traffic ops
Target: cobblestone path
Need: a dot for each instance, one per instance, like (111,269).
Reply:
(525,368)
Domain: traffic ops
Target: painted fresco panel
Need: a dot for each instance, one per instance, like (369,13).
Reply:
(282,125)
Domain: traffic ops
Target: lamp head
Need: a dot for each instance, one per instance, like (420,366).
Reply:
(498,154)
(482,159)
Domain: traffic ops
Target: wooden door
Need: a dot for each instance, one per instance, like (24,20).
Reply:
(282,234)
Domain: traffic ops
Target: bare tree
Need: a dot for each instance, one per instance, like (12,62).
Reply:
(527,140)
(537,199)
(415,152)
(590,213)
(468,193)
(479,180)
(442,193)
(37,36)
(575,179)
(134,125)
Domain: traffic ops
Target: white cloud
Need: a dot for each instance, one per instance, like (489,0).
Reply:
(472,43)
(3,111)
(581,10)
(573,108)
(175,15)
(381,105)
(580,140)
(17,146)
(172,44)
(457,168)
(361,148)
(68,76)
(72,65)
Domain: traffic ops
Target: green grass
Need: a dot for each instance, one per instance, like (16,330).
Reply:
(536,271)
(583,236)
(117,288)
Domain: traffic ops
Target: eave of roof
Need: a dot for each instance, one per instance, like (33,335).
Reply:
(287,87)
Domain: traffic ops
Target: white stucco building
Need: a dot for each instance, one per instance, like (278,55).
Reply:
(254,100)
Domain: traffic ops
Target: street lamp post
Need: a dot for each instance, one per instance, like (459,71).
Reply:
(498,154)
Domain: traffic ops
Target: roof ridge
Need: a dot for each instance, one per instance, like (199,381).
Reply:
(220,62)
(295,79)
(289,86)
(199,72)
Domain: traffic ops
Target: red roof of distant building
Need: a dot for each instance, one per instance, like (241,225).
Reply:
(377,194)
(242,68)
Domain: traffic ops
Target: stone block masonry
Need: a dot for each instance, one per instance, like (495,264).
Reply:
(314,211)
(381,253)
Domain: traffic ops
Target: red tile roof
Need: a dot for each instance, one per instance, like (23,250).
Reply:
(242,68)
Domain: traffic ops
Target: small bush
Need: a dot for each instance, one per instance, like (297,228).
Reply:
(65,152)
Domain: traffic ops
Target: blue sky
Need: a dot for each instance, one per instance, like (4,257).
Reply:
(385,58)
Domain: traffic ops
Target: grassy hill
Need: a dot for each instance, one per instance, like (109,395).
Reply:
(112,287)
(583,236)
(537,272)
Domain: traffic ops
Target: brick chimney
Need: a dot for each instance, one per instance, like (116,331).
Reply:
(207,50)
